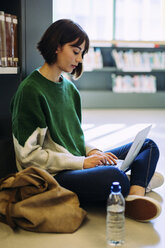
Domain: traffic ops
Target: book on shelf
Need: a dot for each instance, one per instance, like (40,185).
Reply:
(93,59)
(139,61)
(8,40)
(15,40)
(136,83)
(3,57)
(9,34)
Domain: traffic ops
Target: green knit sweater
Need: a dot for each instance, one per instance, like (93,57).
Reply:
(46,122)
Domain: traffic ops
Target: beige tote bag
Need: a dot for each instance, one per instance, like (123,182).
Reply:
(33,200)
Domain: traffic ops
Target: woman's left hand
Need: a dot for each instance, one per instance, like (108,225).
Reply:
(107,157)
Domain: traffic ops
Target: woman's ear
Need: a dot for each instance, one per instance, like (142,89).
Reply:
(59,48)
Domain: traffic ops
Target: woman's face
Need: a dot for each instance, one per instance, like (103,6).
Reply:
(69,56)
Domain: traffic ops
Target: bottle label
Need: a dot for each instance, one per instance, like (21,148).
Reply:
(115,208)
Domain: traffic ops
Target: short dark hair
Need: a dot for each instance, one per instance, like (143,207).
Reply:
(59,33)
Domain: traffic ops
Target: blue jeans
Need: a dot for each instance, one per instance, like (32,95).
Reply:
(93,185)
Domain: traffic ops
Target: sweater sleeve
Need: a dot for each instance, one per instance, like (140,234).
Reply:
(32,141)
(41,151)
(89,147)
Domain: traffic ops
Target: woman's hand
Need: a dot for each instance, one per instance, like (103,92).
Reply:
(96,157)
(92,161)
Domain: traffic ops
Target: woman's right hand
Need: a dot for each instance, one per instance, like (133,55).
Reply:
(93,161)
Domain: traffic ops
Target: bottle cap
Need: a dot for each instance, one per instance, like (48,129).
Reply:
(116,187)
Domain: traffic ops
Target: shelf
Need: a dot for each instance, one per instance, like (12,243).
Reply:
(108,99)
(9,70)
(136,70)
(106,68)
(124,43)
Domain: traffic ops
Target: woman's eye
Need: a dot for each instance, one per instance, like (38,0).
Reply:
(75,52)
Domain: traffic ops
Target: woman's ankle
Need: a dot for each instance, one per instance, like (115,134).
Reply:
(137,190)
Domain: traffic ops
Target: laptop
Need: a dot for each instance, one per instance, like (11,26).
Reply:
(134,150)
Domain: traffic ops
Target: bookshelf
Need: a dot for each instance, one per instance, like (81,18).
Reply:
(9,38)
(10,77)
(99,83)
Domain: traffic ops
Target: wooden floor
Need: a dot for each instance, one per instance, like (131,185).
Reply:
(106,129)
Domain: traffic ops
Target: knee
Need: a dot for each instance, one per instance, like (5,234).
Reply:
(154,147)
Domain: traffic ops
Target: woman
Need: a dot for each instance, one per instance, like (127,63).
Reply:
(47,133)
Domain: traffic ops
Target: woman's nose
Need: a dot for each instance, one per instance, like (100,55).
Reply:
(79,58)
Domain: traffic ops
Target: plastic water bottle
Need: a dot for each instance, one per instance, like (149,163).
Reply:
(115,220)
